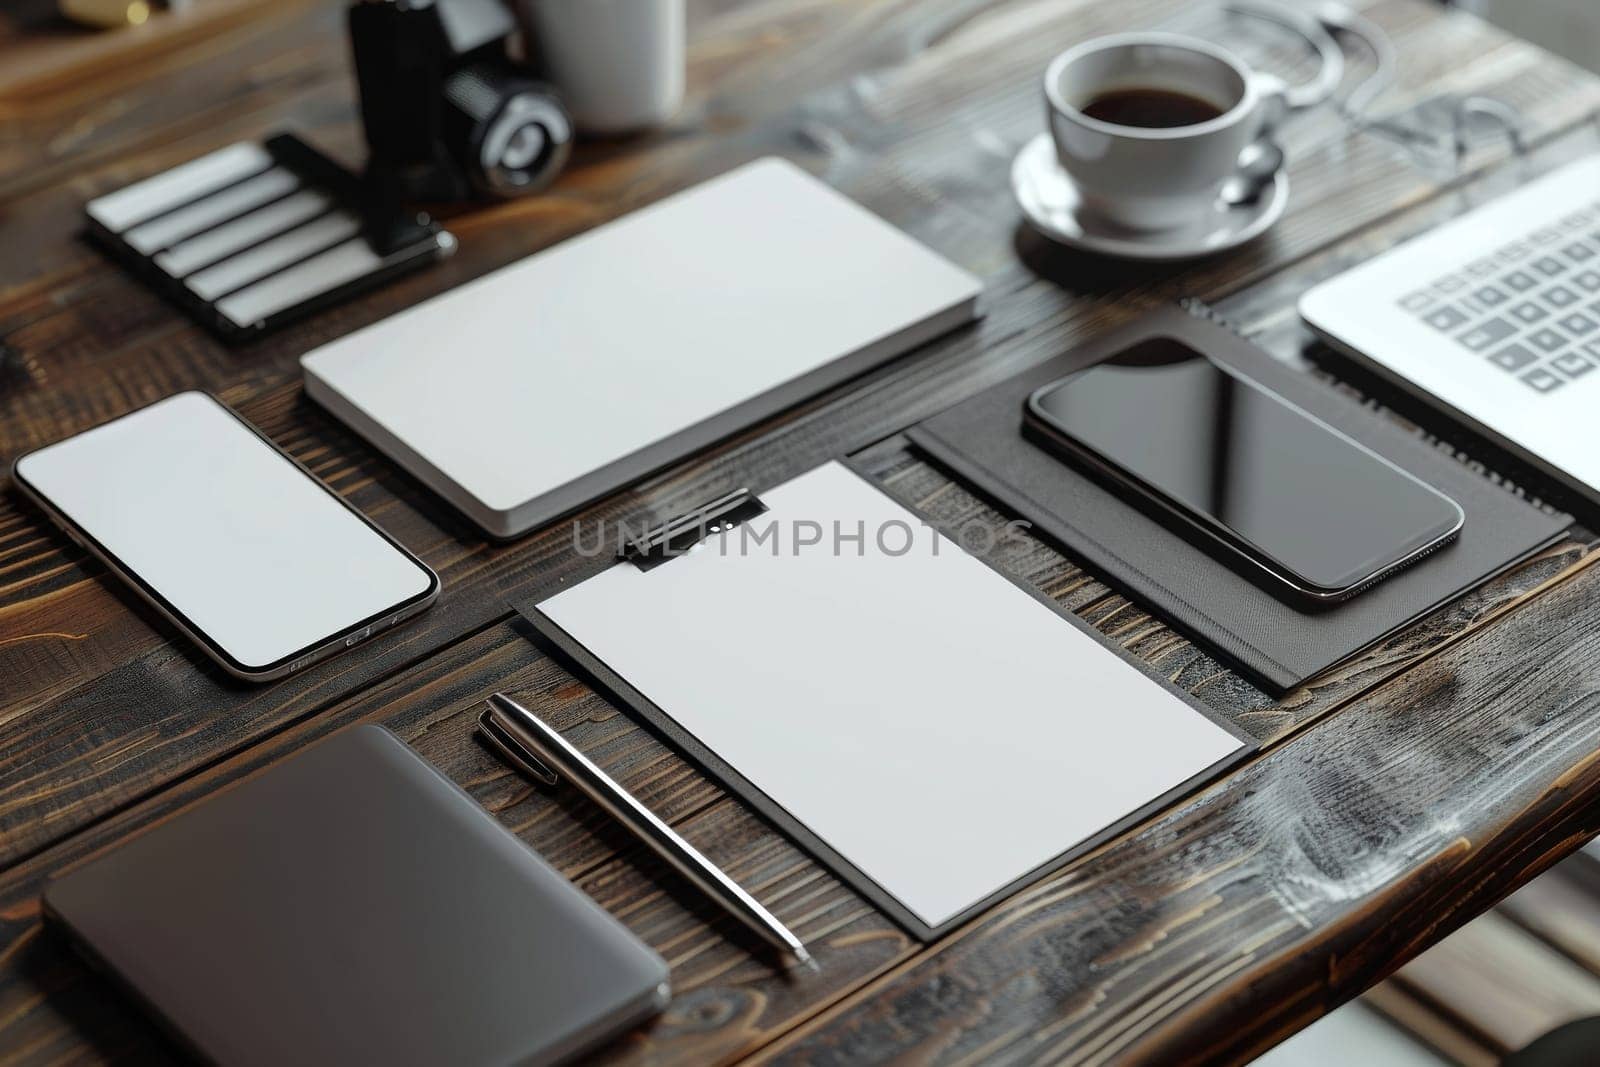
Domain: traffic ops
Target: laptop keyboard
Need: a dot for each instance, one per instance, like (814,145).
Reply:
(1531,307)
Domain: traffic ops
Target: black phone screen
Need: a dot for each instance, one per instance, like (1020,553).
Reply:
(1246,464)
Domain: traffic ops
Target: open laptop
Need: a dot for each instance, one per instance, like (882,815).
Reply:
(1495,318)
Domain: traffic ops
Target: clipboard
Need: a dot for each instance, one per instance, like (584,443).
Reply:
(981,739)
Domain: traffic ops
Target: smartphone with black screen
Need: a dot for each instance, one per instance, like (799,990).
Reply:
(1313,513)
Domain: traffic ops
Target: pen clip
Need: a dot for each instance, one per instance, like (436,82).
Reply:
(502,737)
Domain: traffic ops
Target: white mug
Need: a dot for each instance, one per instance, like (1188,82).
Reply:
(618,65)
(1149,177)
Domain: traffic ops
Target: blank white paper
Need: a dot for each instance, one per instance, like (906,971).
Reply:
(934,724)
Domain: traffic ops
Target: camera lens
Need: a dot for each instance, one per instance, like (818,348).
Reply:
(511,135)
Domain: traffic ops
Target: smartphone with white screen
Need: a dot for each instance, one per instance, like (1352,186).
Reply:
(257,561)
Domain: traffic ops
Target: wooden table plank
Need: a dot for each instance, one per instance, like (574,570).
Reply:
(69,97)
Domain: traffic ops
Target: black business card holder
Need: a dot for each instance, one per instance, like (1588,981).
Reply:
(253,236)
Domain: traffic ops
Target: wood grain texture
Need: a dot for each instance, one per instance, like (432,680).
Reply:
(1243,914)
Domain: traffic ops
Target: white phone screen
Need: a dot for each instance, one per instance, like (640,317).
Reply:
(254,555)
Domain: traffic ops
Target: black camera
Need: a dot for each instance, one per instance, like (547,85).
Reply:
(448,116)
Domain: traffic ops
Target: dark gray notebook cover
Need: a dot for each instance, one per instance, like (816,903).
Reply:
(353,905)
(1277,645)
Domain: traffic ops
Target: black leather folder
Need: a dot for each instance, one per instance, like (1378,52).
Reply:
(1276,644)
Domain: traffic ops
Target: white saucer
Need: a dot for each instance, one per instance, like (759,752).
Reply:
(1050,203)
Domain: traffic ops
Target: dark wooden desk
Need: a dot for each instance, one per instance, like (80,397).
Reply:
(1397,797)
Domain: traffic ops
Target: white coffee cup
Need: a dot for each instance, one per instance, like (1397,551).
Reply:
(618,65)
(1155,177)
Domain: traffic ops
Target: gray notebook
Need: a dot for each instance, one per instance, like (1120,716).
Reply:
(353,905)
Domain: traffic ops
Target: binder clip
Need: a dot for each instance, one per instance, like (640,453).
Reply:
(677,536)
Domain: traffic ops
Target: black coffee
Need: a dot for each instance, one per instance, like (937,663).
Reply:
(1153,108)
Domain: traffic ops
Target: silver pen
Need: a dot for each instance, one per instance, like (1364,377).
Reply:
(533,747)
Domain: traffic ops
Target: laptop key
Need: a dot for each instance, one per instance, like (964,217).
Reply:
(1529,312)
(1486,333)
(1578,324)
(1548,340)
(1560,296)
(1520,280)
(1481,268)
(1588,279)
(1417,301)
(1579,253)
(1542,380)
(1450,283)
(1489,296)
(1445,318)
(1513,357)
(1549,266)
(1573,365)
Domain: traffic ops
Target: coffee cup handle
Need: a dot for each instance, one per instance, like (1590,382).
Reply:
(1261,159)
(1277,103)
